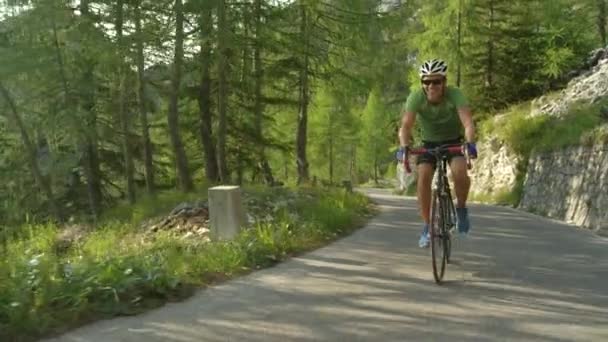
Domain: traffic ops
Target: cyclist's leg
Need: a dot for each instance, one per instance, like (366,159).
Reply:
(462,184)
(426,167)
(462,181)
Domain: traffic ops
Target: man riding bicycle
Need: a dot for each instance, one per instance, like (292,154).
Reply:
(443,112)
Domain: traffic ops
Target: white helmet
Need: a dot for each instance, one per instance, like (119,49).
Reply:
(433,67)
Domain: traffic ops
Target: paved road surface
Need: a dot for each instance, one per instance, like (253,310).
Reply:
(518,278)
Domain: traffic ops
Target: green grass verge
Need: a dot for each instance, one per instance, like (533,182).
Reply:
(524,135)
(114,271)
(149,206)
(506,197)
(582,125)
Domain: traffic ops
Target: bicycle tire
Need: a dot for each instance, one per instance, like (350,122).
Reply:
(448,223)
(436,237)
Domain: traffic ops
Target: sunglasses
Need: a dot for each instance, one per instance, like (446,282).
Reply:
(434,82)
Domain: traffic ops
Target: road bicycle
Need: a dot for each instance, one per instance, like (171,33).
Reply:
(443,212)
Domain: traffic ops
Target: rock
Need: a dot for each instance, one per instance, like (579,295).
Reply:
(589,86)
(495,169)
(181,207)
(604,112)
(69,236)
(347,185)
(188,220)
(569,185)
(596,56)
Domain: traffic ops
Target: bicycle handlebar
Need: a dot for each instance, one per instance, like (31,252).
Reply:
(437,151)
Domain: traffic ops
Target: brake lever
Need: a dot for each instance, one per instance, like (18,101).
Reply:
(467,157)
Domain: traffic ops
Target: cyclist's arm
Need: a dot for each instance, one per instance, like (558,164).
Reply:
(405,131)
(467,121)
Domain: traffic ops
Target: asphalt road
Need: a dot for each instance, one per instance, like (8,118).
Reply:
(518,277)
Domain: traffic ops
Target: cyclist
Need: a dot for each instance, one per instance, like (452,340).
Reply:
(443,113)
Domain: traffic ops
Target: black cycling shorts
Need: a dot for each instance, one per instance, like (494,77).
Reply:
(430,159)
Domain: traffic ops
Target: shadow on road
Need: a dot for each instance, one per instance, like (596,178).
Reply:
(515,279)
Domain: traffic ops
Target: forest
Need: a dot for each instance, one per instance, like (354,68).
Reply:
(111,102)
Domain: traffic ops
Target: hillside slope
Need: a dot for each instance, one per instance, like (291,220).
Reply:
(550,155)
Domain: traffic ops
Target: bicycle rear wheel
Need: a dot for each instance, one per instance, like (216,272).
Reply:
(438,247)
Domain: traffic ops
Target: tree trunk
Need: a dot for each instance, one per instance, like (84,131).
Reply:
(122,111)
(181,160)
(62,74)
(258,101)
(601,21)
(204,99)
(93,174)
(459,62)
(42,181)
(354,179)
(331,157)
(90,149)
(301,134)
(143,114)
(240,168)
(84,8)
(490,61)
(245,86)
(222,90)
(89,141)
(376,169)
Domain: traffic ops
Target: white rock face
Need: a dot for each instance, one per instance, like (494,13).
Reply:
(569,185)
(588,87)
(496,168)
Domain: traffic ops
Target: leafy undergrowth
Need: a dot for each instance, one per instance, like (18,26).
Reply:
(585,124)
(117,269)
(582,125)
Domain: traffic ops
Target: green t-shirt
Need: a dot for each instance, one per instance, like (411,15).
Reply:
(439,122)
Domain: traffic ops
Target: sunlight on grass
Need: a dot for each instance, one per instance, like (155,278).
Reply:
(115,270)
(525,135)
(503,196)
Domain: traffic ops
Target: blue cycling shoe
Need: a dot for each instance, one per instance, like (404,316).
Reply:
(424,237)
(463,220)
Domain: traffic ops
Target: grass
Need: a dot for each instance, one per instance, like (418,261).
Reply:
(516,128)
(503,196)
(569,130)
(113,271)
(149,206)
(525,135)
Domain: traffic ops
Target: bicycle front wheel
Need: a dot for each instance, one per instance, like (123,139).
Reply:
(438,246)
(448,223)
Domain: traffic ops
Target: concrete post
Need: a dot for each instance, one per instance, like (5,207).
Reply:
(226,215)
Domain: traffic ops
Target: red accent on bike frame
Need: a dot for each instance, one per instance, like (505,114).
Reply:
(422,150)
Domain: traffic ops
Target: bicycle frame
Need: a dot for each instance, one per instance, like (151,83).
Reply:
(442,188)
(442,209)
(442,185)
